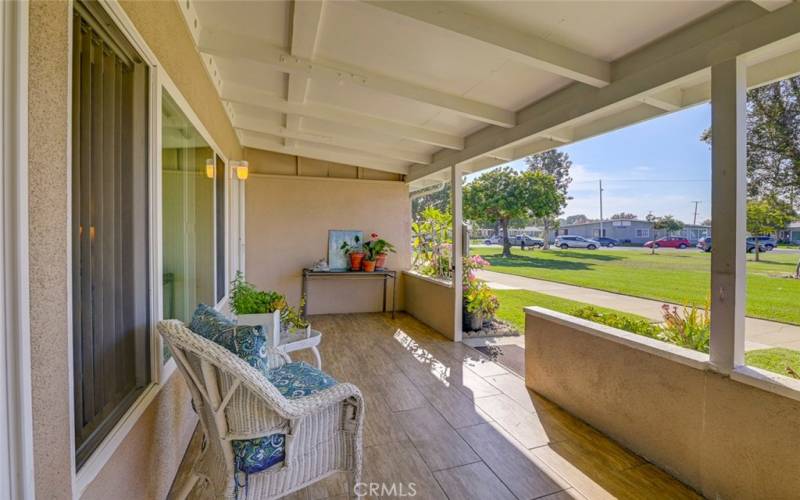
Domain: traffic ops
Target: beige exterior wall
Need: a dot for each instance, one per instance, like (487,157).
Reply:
(431,302)
(725,438)
(144,464)
(50,308)
(287,223)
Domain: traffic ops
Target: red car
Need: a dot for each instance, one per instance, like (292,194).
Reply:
(669,242)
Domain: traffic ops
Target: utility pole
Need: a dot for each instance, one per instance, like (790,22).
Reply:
(601,208)
(694,222)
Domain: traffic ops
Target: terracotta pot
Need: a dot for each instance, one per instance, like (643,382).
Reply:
(368,266)
(355,260)
(380,262)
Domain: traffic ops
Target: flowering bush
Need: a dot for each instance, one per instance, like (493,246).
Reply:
(478,297)
(687,327)
(432,243)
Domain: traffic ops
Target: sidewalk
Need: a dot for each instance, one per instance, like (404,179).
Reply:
(759,333)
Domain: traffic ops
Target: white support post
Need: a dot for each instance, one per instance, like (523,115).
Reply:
(729,180)
(458,292)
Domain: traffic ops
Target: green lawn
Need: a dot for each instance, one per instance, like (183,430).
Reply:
(678,276)
(512,302)
(775,359)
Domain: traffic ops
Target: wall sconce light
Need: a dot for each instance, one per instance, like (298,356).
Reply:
(210,168)
(242,170)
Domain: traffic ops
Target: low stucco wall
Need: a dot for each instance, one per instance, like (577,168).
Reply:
(725,438)
(431,301)
(287,223)
(145,464)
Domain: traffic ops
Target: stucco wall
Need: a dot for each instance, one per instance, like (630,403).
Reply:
(287,223)
(725,438)
(146,460)
(49,306)
(431,302)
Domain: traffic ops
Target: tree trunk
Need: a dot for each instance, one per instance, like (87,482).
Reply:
(506,242)
(757,251)
(546,235)
(797,270)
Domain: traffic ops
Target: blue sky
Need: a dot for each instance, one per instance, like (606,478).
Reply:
(659,165)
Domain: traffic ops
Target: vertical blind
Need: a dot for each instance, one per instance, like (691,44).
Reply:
(109,227)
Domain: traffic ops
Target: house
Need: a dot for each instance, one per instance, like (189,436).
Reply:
(153,149)
(791,233)
(632,231)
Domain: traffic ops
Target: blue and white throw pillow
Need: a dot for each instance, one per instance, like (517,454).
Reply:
(247,342)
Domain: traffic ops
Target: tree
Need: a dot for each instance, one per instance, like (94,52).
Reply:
(623,215)
(504,194)
(435,196)
(765,217)
(557,164)
(773,141)
(576,219)
(668,223)
(706,222)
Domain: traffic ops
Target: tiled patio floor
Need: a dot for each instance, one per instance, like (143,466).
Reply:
(442,416)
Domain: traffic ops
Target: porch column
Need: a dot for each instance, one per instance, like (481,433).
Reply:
(456,191)
(728,185)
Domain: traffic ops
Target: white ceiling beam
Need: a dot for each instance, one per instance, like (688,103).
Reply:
(663,104)
(578,102)
(779,68)
(323,153)
(306,23)
(240,47)
(253,97)
(251,124)
(529,49)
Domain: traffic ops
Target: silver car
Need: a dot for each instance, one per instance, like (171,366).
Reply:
(569,241)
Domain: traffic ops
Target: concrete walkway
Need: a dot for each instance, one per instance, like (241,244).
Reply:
(759,333)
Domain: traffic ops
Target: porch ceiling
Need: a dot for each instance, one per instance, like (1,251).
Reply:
(414,87)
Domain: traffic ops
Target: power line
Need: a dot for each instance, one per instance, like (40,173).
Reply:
(641,180)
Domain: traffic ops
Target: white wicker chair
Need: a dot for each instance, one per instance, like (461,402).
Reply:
(235,401)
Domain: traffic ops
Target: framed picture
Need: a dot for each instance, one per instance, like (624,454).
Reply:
(337,260)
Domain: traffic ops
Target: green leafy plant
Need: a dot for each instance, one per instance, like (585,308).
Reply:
(480,299)
(247,299)
(347,248)
(376,246)
(688,326)
(432,244)
(638,326)
(293,317)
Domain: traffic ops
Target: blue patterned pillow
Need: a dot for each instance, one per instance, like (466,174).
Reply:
(299,379)
(247,342)
(294,380)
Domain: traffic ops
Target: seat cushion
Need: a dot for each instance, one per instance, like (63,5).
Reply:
(299,379)
(293,380)
(255,455)
(247,342)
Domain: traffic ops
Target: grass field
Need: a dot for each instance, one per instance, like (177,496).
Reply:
(512,302)
(678,276)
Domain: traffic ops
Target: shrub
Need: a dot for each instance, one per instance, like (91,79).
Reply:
(687,327)
(633,325)
(247,299)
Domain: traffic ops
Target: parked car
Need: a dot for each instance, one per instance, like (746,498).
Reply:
(669,242)
(608,242)
(529,241)
(495,239)
(704,244)
(767,242)
(569,241)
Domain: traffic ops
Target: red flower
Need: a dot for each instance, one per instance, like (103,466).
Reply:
(374,235)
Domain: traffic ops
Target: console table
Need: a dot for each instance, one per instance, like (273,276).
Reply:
(385,275)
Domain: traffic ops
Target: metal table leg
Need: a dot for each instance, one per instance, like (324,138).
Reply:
(304,293)
(394,293)
(385,277)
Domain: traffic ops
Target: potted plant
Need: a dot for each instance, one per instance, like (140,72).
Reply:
(377,249)
(255,307)
(354,252)
(293,323)
(480,303)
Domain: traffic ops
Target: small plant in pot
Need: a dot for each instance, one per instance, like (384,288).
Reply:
(354,252)
(377,249)
(292,321)
(255,307)
(480,304)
